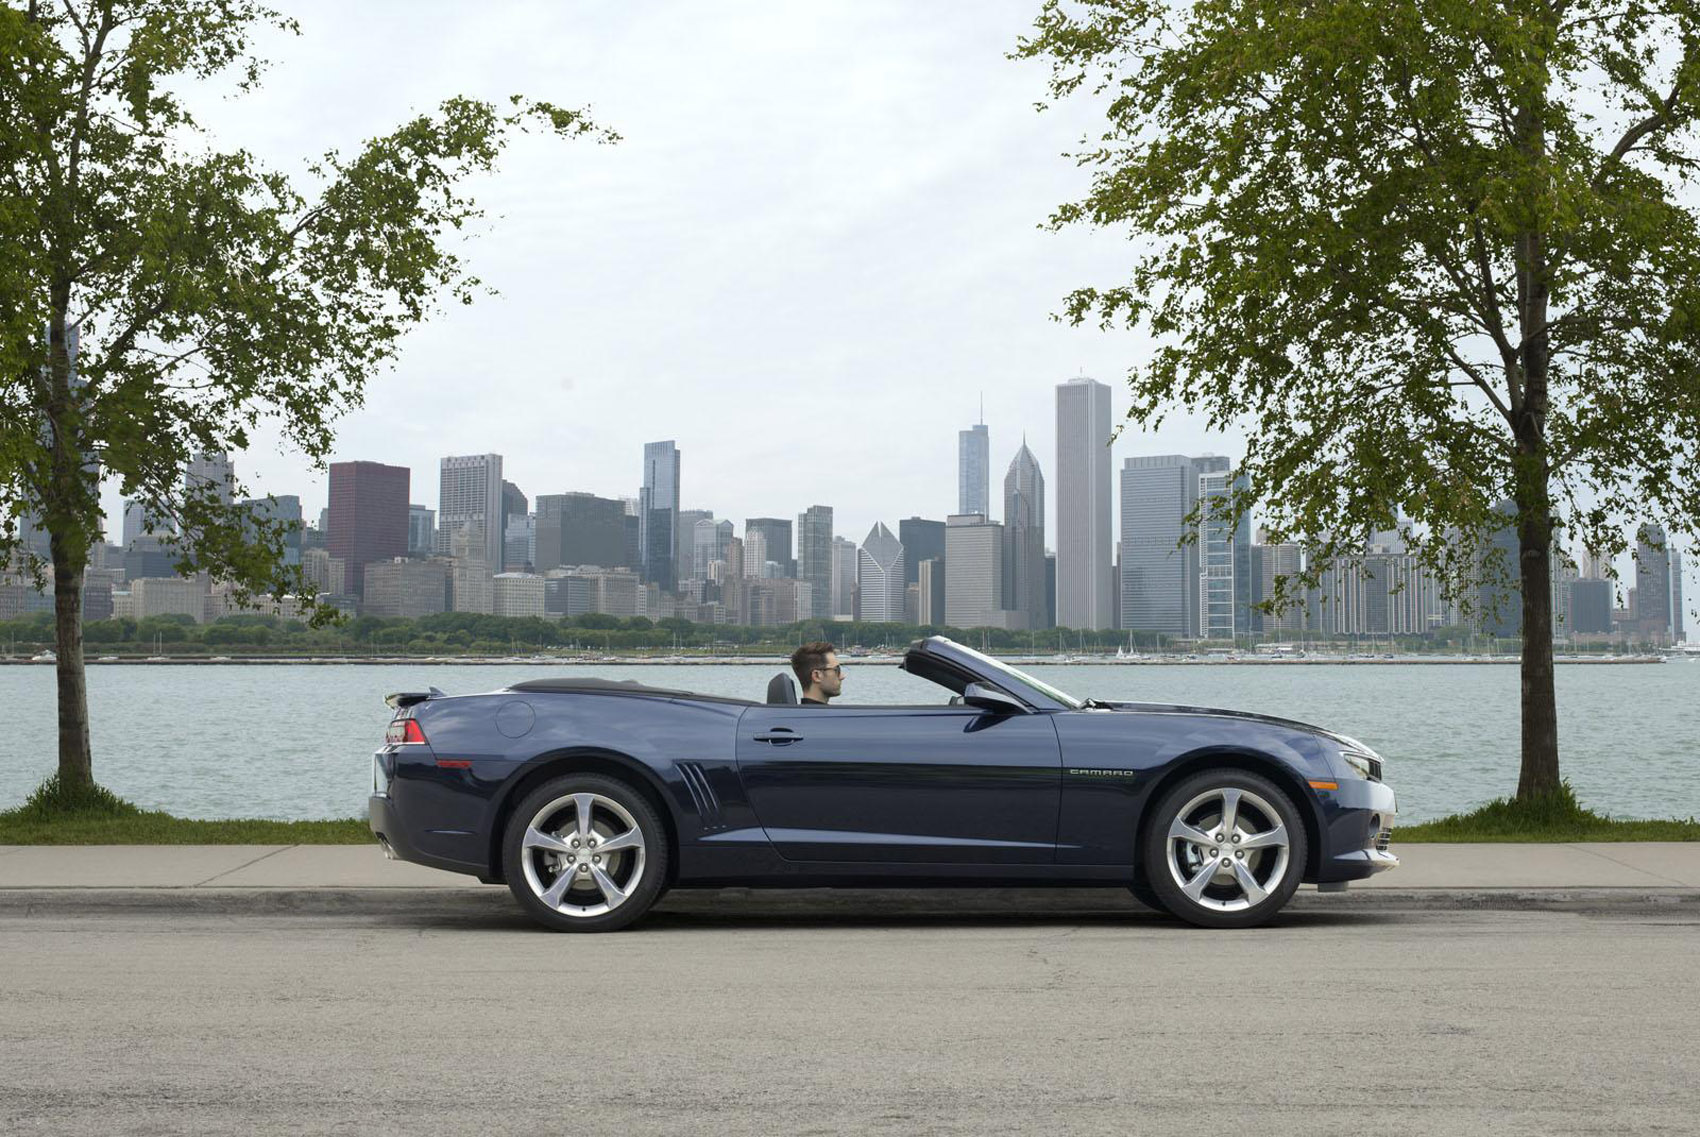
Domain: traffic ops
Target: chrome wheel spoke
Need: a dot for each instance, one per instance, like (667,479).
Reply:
(1230,812)
(1195,887)
(1181,831)
(1254,892)
(611,892)
(585,804)
(537,839)
(630,839)
(1275,838)
(558,890)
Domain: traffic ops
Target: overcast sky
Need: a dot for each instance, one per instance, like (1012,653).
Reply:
(815,249)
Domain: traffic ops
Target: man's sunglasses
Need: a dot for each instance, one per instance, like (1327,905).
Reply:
(836,669)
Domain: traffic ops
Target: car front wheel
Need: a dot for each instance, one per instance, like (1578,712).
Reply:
(585,853)
(1224,849)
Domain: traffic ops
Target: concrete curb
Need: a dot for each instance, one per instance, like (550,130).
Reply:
(734,905)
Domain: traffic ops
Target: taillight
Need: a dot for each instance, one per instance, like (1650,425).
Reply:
(404,730)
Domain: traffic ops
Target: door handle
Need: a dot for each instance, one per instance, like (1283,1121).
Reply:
(780,736)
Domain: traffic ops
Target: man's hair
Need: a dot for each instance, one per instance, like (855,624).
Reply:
(808,657)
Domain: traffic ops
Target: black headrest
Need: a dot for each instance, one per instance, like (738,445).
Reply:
(782,689)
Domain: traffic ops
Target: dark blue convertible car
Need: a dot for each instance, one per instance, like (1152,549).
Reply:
(590,797)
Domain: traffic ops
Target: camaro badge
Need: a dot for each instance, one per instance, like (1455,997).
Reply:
(1104,773)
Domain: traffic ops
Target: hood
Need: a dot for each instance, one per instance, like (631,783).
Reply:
(1248,716)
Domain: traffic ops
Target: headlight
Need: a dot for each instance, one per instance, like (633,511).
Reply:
(1366,766)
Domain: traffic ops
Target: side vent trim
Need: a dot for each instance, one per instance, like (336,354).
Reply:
(703,797)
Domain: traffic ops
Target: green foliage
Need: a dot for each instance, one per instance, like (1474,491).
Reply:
(1425,256)
(95,816)
(54,800)
(1545,817)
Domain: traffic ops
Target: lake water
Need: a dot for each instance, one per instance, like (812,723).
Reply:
(295,740)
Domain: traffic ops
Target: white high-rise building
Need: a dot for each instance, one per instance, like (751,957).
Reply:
(879,576)
(470,502)
(1084,551)
(137,523)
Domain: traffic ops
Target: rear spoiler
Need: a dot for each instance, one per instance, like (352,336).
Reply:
(402,699)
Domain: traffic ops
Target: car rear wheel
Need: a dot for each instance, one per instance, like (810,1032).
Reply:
(1224,849)
(585,853)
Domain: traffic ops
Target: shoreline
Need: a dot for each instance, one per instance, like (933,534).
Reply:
(780,660)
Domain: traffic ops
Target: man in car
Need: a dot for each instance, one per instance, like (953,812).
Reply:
(818,672)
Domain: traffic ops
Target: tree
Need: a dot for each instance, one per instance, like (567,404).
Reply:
(188,294)
(1429,256)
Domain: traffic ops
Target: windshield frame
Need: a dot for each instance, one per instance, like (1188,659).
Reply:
(1000,668)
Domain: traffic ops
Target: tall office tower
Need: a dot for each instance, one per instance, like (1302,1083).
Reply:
(580,529)
(777,531)
(211,471)
(684,560)
(974,572)
(1653,585)
(974,470)
(843,578)
(658,515)
(421,531)
(1594,565)
(284,508)
(368,504)
(469,500)
(1499,603)
(1678,635)
(1024,539)
(1159,575)
(929,592)
(711,541)
(1084,597)
(755,554)
(1268,563)
(519,543)
(814,558)
(879,576)
(514,504)
(923,540)
(1215,549)
(137,523)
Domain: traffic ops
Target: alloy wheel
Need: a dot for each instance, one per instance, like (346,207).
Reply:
(1227,849)
(583,855)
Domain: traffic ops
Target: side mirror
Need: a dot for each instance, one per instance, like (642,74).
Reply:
(988,699)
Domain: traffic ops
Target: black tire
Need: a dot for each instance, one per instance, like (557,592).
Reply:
(1249,884)
(635,871)
(1143,892)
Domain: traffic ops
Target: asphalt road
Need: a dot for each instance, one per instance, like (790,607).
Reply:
(449,1018)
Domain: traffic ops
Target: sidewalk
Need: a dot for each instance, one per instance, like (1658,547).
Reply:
(1638,866)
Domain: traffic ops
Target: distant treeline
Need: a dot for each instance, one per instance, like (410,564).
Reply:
(451,633)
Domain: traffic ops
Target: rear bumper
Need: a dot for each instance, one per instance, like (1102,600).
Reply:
(388,827)
(1359,818)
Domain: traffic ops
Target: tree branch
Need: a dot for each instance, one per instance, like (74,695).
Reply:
(1661,116)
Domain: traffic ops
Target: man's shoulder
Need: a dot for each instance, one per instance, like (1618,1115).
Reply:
(808,702)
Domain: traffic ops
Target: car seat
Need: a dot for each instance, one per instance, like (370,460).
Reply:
(782,689)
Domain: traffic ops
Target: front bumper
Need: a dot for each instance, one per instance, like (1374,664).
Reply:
(1357,828)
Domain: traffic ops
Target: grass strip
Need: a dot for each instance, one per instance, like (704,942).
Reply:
(1555,818)
(97,816)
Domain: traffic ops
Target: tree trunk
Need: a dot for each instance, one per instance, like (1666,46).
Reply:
(76,763)
(1539,775)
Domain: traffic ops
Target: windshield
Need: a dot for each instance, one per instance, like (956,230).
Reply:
(1019,676)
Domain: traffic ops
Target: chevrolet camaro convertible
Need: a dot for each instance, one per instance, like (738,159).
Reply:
(590,798)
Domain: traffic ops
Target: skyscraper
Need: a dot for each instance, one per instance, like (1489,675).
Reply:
(469,501)
(684,561)
(211,471)
(1160,578)
(1654,588)
(137,523)
(580,529)
(879,576)
(368,516)
(1024,539)
(974,572)
(776,531)
(658,515)
(814,558)
(973,470)
(1084,553)
(421,531)
(923,540)
(843,578)
(1215,550)
(711,541)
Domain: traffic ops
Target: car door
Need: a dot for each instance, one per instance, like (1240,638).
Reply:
(955,785)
